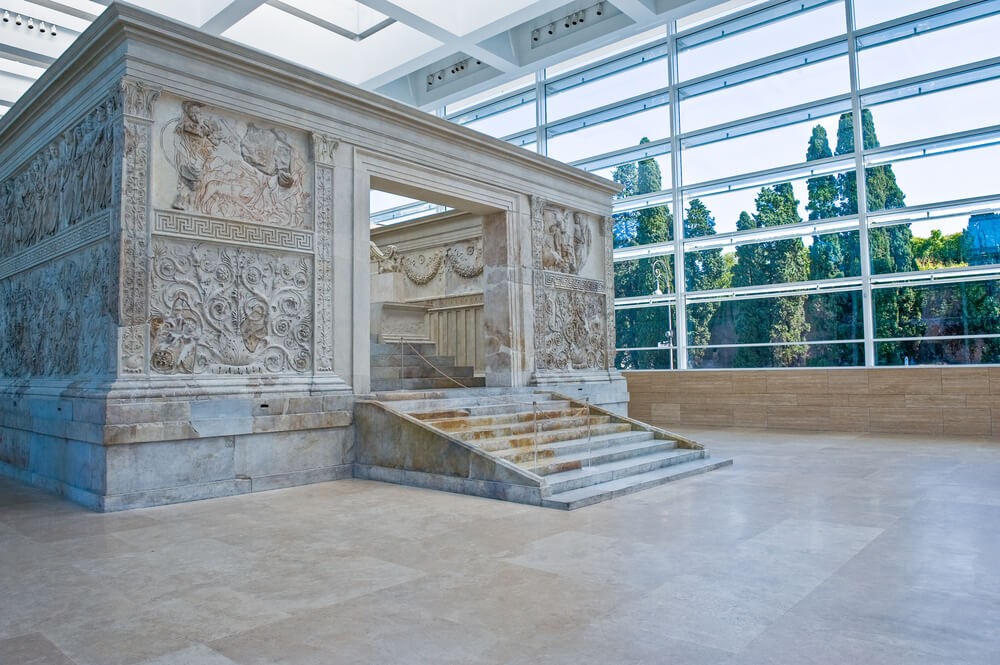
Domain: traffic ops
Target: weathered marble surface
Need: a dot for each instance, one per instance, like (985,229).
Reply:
(186,235)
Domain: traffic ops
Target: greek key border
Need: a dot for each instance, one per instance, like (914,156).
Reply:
(67,242)
(168,222)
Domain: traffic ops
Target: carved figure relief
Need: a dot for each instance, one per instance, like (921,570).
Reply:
(463,259)
(233,169)
(566,240)
(570,331)
(229,310)
(67,181)
(57,317)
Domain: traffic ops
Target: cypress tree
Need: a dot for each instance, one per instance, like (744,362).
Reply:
(832,255)
(703,271)
(898,312)
(774,262)
(648,326)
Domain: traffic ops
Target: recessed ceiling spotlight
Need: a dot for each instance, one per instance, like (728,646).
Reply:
(6,16)
(17,21)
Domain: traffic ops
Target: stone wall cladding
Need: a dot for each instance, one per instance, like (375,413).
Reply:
(953,401)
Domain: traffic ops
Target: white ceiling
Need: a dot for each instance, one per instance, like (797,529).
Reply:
(405,49)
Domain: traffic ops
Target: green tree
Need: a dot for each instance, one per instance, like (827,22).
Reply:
(898,312)
(703,271)
(832,255)
(940,251)
(780,319)
(648,326)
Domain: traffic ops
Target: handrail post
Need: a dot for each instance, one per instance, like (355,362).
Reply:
(534,407)
(590,459)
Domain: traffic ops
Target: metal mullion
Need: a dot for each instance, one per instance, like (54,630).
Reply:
(611,60)
(929,77)
(940,276)
(680,341)
(837,285)
(867,303)
(888,217)
(541,114)
(729,18)
(816,227)
(761,62)
(990,134)
(622,155)
(775,174)
(760,117)
(608,107)
(913,18)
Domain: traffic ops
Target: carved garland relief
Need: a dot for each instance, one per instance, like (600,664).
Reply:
(462,259)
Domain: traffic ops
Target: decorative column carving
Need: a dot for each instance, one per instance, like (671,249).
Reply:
(324,152)
(132,177)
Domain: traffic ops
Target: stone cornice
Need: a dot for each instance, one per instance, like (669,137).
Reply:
(130,27)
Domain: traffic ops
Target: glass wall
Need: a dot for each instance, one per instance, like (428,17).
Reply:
(761,224)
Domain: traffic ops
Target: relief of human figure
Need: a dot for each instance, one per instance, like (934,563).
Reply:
(198,134)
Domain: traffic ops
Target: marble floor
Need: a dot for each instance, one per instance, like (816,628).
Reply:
(813,548)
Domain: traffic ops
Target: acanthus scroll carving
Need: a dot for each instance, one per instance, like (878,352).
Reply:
(229,311)
(570,331)
(138,98)
(235,169)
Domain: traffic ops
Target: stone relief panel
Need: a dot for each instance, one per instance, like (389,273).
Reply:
(57,318)
(464,259)
(566,240)
(68,181)
(572,311)
(229,310)
(571,331)
(218,163)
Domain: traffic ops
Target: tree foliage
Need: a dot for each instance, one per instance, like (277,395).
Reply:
(771,319)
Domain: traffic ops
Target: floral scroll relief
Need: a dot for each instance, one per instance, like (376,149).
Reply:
(234,169)
(229,310)
(571,331)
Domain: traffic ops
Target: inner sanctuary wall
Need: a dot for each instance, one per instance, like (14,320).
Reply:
(186,303)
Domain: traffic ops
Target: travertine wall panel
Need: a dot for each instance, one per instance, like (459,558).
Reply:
(954,401)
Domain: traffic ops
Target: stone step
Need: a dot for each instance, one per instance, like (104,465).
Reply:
(469,421)
(393,360)
(413,402)
(438,382)
(465,409)
(602,473)
(528,427)
(409,348)
(420,372)
(585,496)
(575,446)
(547,466)
(564,434)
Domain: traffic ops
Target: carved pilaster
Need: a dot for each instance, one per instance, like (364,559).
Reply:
(138,98)
(324,149)
(133,144)
(323,153)
(607,232)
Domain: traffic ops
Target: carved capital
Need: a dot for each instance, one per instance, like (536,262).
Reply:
(324,149)
(138,98)
(537,206)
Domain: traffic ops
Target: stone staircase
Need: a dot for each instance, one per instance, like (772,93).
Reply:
(416,366)
(571,453)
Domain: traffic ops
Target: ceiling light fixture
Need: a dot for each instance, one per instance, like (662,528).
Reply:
(567,24)
(29,22)
(453,71)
